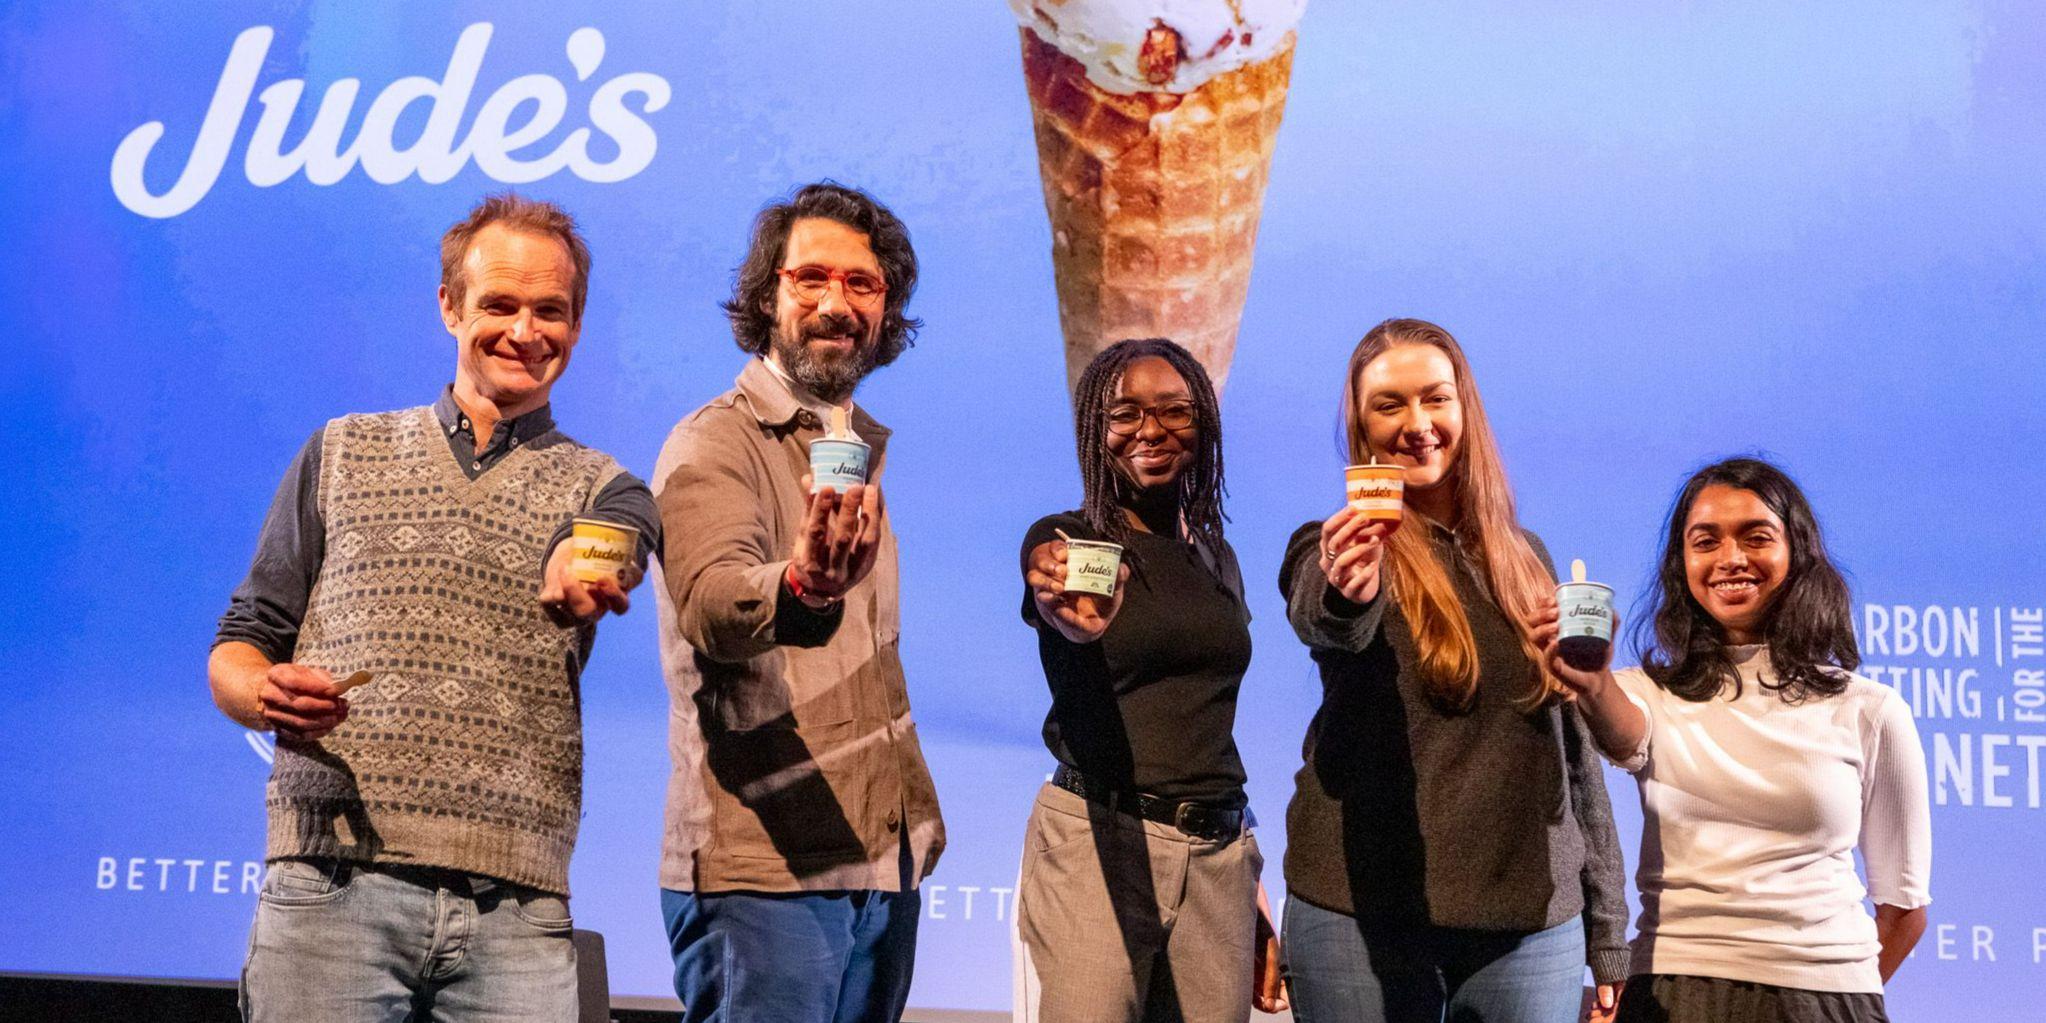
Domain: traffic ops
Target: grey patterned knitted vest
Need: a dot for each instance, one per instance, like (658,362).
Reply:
(466,752)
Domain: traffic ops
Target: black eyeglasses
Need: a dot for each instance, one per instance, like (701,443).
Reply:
(1124,420)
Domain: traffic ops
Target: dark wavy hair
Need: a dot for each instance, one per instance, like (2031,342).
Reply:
(1808,627)
(1201,488)
(754,284)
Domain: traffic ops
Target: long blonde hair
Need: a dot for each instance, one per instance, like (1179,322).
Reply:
(1484,513)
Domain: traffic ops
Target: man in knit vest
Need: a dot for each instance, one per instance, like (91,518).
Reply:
(421,824)
(800,815)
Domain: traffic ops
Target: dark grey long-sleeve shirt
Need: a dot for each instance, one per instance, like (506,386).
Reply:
(1494,819)
(266,609)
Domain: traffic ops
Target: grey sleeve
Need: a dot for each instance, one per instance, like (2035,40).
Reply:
(266,609)
(626,501)
(1322,617)
(1603,875)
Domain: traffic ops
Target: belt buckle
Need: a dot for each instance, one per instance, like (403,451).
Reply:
(1184,818)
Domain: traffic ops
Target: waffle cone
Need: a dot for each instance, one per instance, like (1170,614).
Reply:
(1154,200)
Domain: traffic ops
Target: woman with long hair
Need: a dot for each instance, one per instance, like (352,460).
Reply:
(1450,849)
(1139,897)
(1763,762)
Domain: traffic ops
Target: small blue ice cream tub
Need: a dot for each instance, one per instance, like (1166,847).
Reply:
(838,463)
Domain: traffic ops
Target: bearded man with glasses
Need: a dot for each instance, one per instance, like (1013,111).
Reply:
(800,815)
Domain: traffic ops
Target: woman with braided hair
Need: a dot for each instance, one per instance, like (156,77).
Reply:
(1139,897)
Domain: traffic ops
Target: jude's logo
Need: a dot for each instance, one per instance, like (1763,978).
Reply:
(493,139)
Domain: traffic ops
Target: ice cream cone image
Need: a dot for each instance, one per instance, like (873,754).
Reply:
(1155,121)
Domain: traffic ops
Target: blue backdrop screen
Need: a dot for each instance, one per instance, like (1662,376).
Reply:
(1665,233)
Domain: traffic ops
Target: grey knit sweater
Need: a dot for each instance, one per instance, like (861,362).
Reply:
(466,751)
(1490,820)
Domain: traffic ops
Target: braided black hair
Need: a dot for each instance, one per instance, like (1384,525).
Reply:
(1201,488)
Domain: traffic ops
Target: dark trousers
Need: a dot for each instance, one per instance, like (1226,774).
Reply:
(1675,998)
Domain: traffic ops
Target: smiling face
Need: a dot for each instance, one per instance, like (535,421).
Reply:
(515,325)
(1153,455)
(1406,399)
(1736,556)
(830,345)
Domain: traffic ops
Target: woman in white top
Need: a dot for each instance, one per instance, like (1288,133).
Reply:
(1762,762)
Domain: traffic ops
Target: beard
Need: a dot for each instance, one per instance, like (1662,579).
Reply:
(828,374)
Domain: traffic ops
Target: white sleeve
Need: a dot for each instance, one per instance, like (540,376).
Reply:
(1896,816)
(1634,762)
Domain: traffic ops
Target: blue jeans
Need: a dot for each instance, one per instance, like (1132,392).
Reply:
(1339,968)
(340,942)
(801,957)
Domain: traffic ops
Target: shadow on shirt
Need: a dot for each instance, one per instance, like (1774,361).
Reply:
(771,771)
(1095,735)
(1360,753)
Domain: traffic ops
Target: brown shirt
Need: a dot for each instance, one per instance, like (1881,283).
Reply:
(796,764)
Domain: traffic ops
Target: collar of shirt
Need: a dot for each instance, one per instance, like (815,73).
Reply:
(807,398)
(1464,554)
(776,399)
(505,438)
(1440,531)
(1749,655)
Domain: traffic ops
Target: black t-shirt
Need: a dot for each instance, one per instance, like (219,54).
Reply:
(1151,706)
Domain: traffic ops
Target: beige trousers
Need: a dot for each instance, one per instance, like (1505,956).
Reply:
(1120,919)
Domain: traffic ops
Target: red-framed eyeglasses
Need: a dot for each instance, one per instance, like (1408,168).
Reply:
(811,282)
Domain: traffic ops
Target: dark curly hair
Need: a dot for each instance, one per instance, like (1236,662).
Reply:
(754,284)
(1200,487)
(1808,627)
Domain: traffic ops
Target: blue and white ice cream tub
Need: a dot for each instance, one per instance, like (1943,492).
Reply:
(838,463)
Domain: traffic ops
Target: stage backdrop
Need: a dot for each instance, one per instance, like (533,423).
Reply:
(1665,232)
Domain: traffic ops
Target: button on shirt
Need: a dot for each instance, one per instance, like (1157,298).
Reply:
(503,438)
(797,764)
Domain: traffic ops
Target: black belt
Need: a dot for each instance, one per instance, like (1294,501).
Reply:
(1212,823)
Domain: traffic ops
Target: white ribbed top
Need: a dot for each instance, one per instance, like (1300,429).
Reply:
(1751,811)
